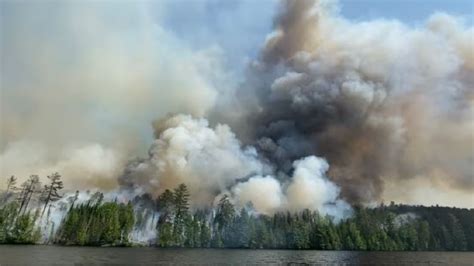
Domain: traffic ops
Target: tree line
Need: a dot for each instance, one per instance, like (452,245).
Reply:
(392,227)
(95,222)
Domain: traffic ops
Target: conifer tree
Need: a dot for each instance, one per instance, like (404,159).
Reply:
(225,213)
(29,188)
(50,193)
(181,206)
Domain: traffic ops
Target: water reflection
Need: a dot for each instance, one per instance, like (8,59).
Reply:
(41,255)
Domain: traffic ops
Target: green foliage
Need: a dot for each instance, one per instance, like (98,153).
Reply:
(394,227)
(181,206)
(7,220)
(165,235)
(397,227)
(96,224)
(17,228)
(205,235)
(23,231)
(225,213)
(176,227)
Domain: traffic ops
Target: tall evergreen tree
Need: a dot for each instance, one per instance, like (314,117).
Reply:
(225,213)
(181,206)
(50,193)
(29,188)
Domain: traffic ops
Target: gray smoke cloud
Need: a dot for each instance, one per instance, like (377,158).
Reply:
(381,101)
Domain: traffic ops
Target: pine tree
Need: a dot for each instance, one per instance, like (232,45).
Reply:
(181,201)
(29,187)
(181,206)
(457,233)
(50,193)
(205,235)
(23,231)
(423,235)
(241,229)
(358,240)
(165,205)
(300,234)
(8,214)
(126,221)
(225,213)
(165,234)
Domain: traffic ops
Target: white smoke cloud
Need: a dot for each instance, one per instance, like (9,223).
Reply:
(311,189)
(264,192)
(187,150)
(307,188)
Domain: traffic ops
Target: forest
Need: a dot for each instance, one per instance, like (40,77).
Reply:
(96,222)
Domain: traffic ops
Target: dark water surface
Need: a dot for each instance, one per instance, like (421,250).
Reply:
(46,255)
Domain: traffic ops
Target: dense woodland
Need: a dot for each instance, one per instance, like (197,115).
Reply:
(99,223)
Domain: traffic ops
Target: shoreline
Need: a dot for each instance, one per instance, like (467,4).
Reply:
(227,248)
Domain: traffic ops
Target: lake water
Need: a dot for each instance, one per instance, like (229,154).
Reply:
(46,255)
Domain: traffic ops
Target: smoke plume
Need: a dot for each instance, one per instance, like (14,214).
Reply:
(382,102)
(212,161)
(208,160)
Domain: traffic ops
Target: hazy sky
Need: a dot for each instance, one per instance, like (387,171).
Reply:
(236,28)
(225,22)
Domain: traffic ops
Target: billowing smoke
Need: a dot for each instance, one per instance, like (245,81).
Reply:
(263,192)
(382,102)
(212,161)
(188,151)
(310,188)
(307,188)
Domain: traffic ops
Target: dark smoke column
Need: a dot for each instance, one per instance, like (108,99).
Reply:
(362,95)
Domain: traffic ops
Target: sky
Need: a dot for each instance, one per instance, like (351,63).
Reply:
(206,22)
(409,11)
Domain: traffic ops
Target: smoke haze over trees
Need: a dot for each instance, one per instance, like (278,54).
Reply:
(95,222)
